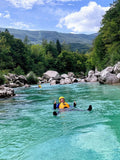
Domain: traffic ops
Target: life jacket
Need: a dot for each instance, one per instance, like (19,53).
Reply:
(63,105)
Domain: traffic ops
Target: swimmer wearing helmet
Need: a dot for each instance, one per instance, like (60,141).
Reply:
(62,104)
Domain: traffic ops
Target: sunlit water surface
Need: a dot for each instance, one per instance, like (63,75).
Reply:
(29,131)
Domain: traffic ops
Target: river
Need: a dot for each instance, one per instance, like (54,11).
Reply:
(29,131)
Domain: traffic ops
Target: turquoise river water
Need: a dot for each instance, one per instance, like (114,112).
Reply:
(29,131)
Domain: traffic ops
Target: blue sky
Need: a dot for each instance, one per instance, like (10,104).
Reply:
(67,16)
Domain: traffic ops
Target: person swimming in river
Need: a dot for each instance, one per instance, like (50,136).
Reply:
(62,104)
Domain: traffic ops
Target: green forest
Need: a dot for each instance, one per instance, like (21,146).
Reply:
(106,47)
(21,57)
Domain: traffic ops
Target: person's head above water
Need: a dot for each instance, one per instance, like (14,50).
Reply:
(61,99)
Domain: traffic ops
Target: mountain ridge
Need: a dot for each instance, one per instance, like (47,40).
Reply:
(36,37)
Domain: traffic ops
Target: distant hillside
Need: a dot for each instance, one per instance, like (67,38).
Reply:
(81,42)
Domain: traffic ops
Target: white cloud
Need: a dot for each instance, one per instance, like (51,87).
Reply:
(87,20)
(68,0)
(58,12)
(5,15)
(20,25)
(28,4)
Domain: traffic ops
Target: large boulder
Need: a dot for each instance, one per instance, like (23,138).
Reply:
(62,81)
(6,92)
(68,81)
(20,84)
(53,82)
(64,76)
(65,81)
(22,79)
(82,80)
(12,76)
(44,81)
(106,71)
(74,80)
(91,77)
(91,73)
(118,75)
(117,68)
(97,73)
(109,78)
(13,85)
(71,74)
(51,74)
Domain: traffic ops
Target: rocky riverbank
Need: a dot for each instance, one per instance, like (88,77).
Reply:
(12,81)
(110,75)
